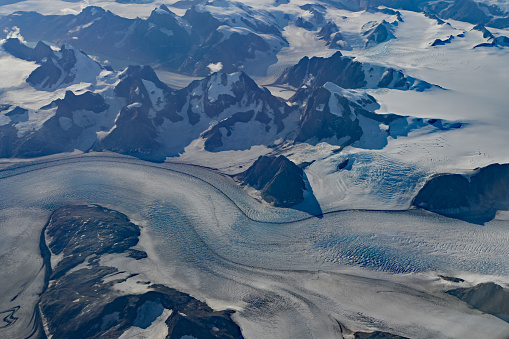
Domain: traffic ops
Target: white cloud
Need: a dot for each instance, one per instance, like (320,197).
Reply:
(15,33)
(215,67)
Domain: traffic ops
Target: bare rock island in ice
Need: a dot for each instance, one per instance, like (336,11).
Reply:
(84,297)
(279,180)
(260,169)
(473,197)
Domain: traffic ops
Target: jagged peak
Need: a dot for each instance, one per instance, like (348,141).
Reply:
(93,11)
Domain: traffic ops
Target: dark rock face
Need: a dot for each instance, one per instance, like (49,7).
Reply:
(389,11)
(16,48)
(440,42)
(230,52)
(56,69)
(310,74)
(60,132)
(81,301)
(475,199)
(377,335)
(319,122)
(18,114)
(77,232)
(279,180)
(462,10)
(135,132)
(392,78)
(377,32)
(315,19)
(492,41)
(485,32)
(213,137)
(452,279)
(434,17)
(341,70)
(87,101)
(343,117)
(487,297)
(333,38)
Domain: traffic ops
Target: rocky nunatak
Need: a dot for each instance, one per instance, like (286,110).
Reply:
(81,299)
(279,180)
(474,197)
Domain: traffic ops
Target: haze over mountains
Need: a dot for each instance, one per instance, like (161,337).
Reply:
(274,150)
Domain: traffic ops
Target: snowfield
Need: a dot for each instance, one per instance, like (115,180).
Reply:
(367,262)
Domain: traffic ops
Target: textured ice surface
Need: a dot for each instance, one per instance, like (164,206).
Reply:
(287,274)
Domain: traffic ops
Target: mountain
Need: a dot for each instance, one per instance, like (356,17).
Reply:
(312,18)
(475,197)
(345,72)
(462,10)
(375,33)
(140,115)
(57,68)
(333,38)
(347,117)
(187,44)
(279,181)
(64,131)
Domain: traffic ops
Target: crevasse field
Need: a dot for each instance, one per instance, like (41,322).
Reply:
(370,262)
(287,274)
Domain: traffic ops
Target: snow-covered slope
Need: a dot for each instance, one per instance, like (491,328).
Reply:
(419,88)
(134,112)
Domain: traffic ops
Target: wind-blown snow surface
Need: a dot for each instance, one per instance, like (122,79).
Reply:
(288,275)
(475,81)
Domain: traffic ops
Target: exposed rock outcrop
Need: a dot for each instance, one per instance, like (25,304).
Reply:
(475,198)
(279,180)
(81,299)
(377,32)
(487,297)
(346,72)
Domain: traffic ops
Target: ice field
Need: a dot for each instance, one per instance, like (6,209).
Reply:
(288,274)
(370,262)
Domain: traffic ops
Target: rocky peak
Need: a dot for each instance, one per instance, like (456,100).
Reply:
(42,51)
(88,101)
(314,18)
(485,32)
(220,91)
(346,72)
(278,179)
(16,48)
(203,23)
(60,68)
(328,115)
(140,84)
(315,72)
(327,31)
(377,32)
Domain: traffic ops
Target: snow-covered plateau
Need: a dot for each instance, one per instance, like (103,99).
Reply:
(388,119)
